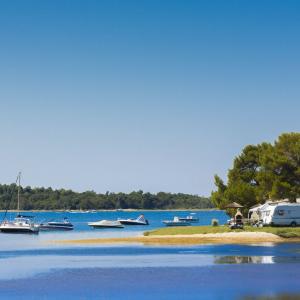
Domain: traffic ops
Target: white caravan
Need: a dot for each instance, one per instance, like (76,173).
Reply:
(286,214)
(266,213)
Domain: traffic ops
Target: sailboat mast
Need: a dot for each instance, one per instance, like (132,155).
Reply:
(19,182)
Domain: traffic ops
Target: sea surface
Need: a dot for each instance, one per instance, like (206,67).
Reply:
(34,267)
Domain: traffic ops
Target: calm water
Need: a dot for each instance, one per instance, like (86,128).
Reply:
(155,217)
(34,268)
(82,230)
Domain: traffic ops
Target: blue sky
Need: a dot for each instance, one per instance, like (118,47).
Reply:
(152,95)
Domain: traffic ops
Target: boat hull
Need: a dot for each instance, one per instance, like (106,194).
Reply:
(189,220)
(106,226)
(128,222)
(176,223)
(51,227)
(19,230)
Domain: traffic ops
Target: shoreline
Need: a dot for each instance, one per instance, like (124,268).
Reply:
(113,210)
(192,239)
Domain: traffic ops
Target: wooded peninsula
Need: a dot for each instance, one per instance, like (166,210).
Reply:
(49,199)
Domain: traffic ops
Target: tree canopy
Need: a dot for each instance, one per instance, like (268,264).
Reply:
(49,199)
(261,172)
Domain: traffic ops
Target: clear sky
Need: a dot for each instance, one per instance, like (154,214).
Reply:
(152,95)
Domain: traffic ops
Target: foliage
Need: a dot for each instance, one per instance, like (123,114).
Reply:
(49,199)
(214,222)
(262,172)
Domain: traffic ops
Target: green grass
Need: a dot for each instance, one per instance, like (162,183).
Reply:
(285,232)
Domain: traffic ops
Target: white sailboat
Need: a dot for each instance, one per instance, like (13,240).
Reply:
(21,224)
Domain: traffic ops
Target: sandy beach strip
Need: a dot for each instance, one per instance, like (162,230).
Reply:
(194,239)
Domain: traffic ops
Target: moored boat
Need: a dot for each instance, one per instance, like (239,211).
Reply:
(21,223)
(176,222)
(140,220)
(190,218)
(106,224)
(65,224)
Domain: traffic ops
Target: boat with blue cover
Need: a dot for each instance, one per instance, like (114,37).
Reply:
(140,220)
(64,224)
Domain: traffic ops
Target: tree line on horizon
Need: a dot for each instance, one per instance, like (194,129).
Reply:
(261,172)
(49,199)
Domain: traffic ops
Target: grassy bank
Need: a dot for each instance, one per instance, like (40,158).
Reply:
(285,232)
(197,235)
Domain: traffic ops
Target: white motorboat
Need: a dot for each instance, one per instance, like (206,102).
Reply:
(140,220)
(190,218)
(21,224)
(176,222)
(106,224)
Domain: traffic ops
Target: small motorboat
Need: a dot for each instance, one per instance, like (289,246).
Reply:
(190,218)
(21,224)
(65,224)
(140,220)
(106,224)
(176,222)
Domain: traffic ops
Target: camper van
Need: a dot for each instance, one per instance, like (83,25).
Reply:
(286,214)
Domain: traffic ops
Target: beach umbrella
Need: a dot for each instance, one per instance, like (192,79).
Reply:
(234,205)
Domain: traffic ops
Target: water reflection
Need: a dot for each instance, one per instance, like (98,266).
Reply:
(25,266)
(29,266)
(273,297)
(222,282)
(256,259)
(244,260)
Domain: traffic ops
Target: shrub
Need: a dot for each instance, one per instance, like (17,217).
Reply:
(215,222)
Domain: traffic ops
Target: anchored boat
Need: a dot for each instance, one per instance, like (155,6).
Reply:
(21,224)
(65,224)
(176,222)
(106,224)
(191,218)
(140,220)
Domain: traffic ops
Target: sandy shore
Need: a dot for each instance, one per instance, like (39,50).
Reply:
(194,239)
